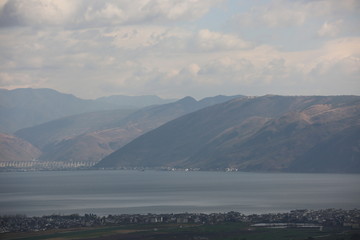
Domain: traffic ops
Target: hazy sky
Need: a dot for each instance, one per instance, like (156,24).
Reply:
(176,48)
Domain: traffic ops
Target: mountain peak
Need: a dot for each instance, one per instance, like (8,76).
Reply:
(187,100)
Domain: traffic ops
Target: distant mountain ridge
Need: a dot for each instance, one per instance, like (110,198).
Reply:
(269,133)
(26,107)
(134,101)
(92,136)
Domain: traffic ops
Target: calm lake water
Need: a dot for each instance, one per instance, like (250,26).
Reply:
(117,192)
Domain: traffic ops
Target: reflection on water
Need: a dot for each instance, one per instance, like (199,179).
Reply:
(116,192)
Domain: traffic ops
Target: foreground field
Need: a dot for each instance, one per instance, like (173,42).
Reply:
(226,231)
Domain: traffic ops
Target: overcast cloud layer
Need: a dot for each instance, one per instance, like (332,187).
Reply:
(176,48)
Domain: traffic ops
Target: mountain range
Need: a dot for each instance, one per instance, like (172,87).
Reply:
(92,136)
(45,116)
(266,133)
(269,133)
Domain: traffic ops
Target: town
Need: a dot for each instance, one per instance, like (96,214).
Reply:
(302,218)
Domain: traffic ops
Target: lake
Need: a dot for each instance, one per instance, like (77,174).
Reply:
(131,192)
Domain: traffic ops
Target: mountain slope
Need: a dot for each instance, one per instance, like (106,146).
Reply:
(71,126)
(16,149)
(257,134)
(324,157)
(27,107)
(84,147)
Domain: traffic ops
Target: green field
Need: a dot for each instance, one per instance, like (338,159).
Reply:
(226,231)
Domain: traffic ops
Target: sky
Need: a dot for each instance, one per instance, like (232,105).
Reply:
(177,48)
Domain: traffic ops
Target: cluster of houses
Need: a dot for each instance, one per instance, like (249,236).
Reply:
(327,217)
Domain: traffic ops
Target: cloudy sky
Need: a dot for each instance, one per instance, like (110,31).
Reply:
(176,48)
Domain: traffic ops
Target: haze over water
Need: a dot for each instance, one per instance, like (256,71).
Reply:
(131,192)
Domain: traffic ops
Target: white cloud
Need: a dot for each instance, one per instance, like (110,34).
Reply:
(19,80)
(340,48)
(330,29)
(227,66)
(283,13)
(349,66)
(134,37)
(176,9)
(37,12)
(213,41)
(93,48)
(96,13)
(193,69)
(338,64)
(2,3)
(275,14)
(108,12)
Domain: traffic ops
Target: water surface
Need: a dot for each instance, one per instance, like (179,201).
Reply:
(117,192)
